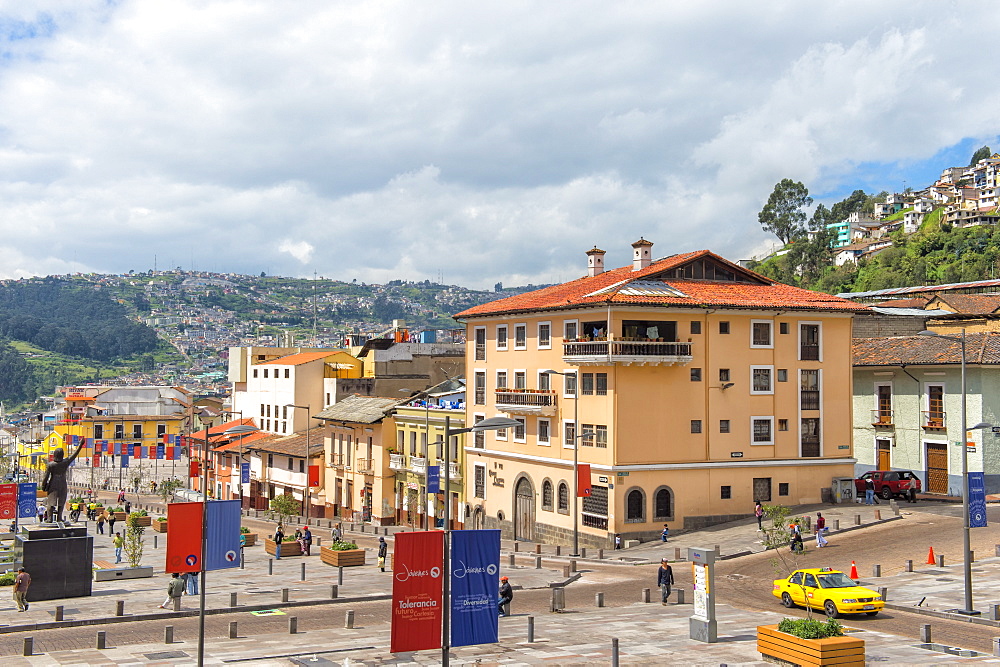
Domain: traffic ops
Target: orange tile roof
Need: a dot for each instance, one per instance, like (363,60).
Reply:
(618,286)
(297,359)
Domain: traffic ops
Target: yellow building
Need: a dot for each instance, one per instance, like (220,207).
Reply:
(695,386)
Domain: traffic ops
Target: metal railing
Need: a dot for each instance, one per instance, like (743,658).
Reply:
(627,348)
(534,398)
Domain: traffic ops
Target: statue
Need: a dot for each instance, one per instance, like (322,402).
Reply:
(54,483)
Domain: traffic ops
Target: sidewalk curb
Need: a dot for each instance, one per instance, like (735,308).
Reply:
(980,620)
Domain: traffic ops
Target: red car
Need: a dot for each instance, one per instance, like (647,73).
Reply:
(888,483)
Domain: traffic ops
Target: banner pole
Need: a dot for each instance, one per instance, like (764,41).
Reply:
(446,560)
(204,549)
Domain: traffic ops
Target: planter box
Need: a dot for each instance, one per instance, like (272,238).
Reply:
(119,516)
(160,526)
(140,572)
(830,651)
(251,539)
(146,521)
(41,494)
(349,558)
(287,548)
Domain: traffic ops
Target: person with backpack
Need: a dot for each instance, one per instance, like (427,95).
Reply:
(383,550)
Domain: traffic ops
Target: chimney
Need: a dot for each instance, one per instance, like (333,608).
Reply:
(595,262)
(641,257)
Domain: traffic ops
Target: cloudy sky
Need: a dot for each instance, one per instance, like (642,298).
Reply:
(478,142)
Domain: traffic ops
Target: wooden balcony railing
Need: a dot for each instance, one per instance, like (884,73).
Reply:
(882,418)
(627,351)
(934,419)
(365,466)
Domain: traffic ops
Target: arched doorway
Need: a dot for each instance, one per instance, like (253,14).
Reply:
(478,518)
(524,511)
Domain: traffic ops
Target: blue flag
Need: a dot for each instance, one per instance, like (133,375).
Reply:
(223,539)
(433,479)
(977,500)
(475,569)
(26,500)
(160,450)
(124,460)
(245,473)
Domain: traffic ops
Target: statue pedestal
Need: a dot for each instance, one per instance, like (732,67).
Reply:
(58,558)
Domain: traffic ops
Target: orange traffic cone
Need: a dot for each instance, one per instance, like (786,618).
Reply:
(930,557)
(854,570)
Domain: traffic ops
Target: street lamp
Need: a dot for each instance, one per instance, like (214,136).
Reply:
(305,493)
(241,430)
(576,455)
(491,424)
(966,537)
(427,449)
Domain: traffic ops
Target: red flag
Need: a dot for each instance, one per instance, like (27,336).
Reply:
(416,591)
(166,439)
(195,469)
(583,480)
(184,523)
(97,460)
(137,451)
(170,452)
(8,502)
(313,475)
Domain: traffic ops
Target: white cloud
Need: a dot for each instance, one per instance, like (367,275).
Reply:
(488,142)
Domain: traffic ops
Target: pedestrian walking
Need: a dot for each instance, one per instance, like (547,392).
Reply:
(21,583)
(128,507)
(618,541)
(336,533)
(118,542)
(506,595)
(191,583)
(820,531)
(111,523)
(665,533)
(100,524)
(869,491)
(307,540)
(664,579)
(279,535)
(758,511)
(174,590)
(383,549)
(911,489)
(121,495)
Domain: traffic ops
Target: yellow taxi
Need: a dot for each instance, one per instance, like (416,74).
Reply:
(827,589)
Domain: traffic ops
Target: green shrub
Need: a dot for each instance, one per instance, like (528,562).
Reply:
(341,545)
(244,530)
(810,628)
(7,579)
(162,518)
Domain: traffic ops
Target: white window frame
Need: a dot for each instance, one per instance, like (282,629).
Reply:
(798,336)
(576,376)
(770,328)
(539,380)
(568,424)
(771,374)
(476,418)
(501,341)
(475,350)
(524,423)
(538,430)
(538,330)
(497,381)
(755,418)
(576,324)
(523,325)
(513,378)
(500,434)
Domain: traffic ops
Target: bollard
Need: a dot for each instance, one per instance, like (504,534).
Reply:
(558,599)
(270,566)
(857,519)
(558,550)
(319,542)
(349,619)
(517,547)
(538,562)
(243,560)
(876,570)
(909,566)
(718,550)
(680,596)
(234,632)
(531,629)
(940,560)
(836,524)
(102,639)
(645,595)
(59,613)
(972,556)
(510,560)
(284,595)
(302,575)
(925,633)
(29,646)
(996,646)
(232,599)
(385,532)
(155,540)
(538,548)
(572,565)
(995,612)
(333,592)
(566,573)
(878,515)
(600,554)
(362,528)
(119,607)
(996,549)
(895,509)
(168,634)
(293,625)
(583,552)
(177,603)
(340,575)
(599,599)
(677,553)
(614,652)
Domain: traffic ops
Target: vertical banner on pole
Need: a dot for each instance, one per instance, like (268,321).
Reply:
(97,460)
(416,591)
(433,479)
(313,475)
(223,543)
(8,503)
(184,537)
(124,460)
(245,473)
(137,451)
(160,450)
(583,480)
(977,500)
(27,493)
(475,567)
(170,452)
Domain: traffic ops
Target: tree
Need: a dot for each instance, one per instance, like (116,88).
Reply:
(821,217)
(284,506)
(853,202)
(782,215)
(134,545)
(166,488)
(980,154)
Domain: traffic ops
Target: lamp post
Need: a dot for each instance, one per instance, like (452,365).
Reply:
(241,430)
(305,493)
(427,448)
(491,424)
(966,536)
(576,455)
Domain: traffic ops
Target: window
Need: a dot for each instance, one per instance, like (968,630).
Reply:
(810,436)
(161,430)
(723,426)
(760,333)
(634,506)
(762,429)
(783,327)
(480,344)
(723,327)
(480,388)
(935,406)
(502,337)
(782,375)
(501,433)
(543,431)
(137,431)
(479,485)
(261,409)
(265,373)
(601,436)
(570,330)
(569,385)
(723,375)
(809,342)
(761,380)
(401,441)
(695,375)
(588,384)
(696,426)
(762,489)
(695,326)
(601,384)
(544,381)
(519,431)
(563,497)
(809,389)
(520,380)
(291,463)
(284,412)
(595,508)
(268,408)
(569,434)
(270,464)
(544,335)
(413,443)
(501,380)
(726,493)
(479,442)
(663,504)
(782,488)
(883,414)
(587,437)
(520,336)
(547,495)
(255,372)
(98,431)
(782,424)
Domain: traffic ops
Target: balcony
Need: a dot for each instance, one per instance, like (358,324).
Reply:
(418,464)
(526,401)
(397,462)
(336,461)
(365,466)
(453,471)
(882,418)
(933,419)
(626,353)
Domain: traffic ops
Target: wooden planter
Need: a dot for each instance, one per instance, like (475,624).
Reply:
(160,526)
(146,521)
(41,494)
(348,558)
(829,651)
(120,516)
(251,539)
(287,548)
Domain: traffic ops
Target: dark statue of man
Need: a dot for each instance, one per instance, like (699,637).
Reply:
(54,483)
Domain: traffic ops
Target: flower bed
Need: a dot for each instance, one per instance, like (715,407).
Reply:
(773,643)
(160,526)
(342,558)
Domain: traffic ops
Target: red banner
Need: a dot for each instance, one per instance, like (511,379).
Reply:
(416,591)
(583,480)
(170,452)
(8,502)
(97,460)
(313,475)
(184,537)
(195,469)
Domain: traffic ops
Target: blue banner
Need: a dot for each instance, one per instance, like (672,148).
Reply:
(433,479)
(27,500)
(475,570)
(124,460)
(245,472)
(223,538)
(160,450)
(977,500)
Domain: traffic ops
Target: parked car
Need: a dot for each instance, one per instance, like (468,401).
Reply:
(888,483)
(830,590)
